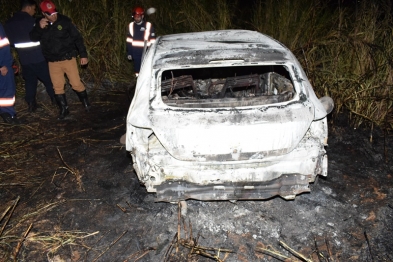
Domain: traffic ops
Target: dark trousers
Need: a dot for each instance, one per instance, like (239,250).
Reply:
(7,92)
(137,63)
(31,74)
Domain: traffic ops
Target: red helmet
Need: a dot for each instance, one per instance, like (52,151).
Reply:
(138,11)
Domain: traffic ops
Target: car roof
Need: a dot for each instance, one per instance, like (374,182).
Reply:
(200,48)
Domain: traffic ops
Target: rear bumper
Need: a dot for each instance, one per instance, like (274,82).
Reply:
(286,186)
(286,175)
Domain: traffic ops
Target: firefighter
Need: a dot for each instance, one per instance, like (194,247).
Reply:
(61,42)
(140,36)
(34,65)
(7,81)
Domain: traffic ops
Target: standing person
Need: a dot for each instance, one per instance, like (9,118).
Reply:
(60,42)
(34,65)
(7,81)
(140,35)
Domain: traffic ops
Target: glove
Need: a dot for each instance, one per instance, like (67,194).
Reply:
(129,57)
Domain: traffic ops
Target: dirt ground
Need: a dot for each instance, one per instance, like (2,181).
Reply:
(68,193)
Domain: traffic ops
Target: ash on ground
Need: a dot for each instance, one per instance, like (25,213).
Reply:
(69,193)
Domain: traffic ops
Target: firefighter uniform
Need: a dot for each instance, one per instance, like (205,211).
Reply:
(139,37)
(7,81)
(34,65)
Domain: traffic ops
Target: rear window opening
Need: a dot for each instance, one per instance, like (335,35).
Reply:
(226,86)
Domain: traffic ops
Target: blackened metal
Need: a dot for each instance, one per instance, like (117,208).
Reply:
(286,186)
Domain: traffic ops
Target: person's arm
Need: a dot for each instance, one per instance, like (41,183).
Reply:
(10,33)
(129,42)
(38,29)
(79,43)
(78,40)
(6,58)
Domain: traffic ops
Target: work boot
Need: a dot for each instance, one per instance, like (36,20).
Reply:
(62,103)
(32,106)
(83,98)
(10,119)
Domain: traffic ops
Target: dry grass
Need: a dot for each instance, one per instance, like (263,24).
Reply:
(346,54)
(23,220)
(18,230)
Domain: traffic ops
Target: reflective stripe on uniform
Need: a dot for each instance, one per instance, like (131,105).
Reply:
(140,43)
(131,29)
(7,102)
(4,42)
(28,44)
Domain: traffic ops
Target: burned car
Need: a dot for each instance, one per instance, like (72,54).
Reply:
(225,115)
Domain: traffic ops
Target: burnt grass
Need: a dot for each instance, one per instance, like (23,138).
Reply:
(68,192)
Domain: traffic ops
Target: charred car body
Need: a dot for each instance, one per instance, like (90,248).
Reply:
(225,115)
